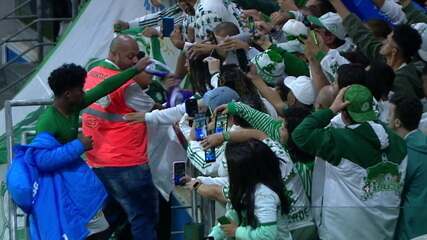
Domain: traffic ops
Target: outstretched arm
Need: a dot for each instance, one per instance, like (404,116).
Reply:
(109,85)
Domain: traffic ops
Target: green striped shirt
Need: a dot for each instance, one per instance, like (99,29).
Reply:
(258,120)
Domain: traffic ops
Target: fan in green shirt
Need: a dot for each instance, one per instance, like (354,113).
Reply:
(62,118)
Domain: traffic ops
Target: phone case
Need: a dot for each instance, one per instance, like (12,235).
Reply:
(168,26)
(178,172)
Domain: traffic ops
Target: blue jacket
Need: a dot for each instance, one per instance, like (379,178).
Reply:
(66,193)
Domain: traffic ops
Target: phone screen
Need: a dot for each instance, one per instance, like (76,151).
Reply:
(178,172)
(200,126)
(221,121)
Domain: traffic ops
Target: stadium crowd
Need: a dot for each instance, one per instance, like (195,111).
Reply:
(304,121)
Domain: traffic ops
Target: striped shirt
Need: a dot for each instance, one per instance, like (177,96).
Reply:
(257,119)
(154,19)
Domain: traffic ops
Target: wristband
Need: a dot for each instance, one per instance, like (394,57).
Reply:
(226,135)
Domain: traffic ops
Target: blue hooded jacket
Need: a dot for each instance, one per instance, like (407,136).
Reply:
(66,194)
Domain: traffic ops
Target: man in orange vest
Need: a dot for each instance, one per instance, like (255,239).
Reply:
(119,156)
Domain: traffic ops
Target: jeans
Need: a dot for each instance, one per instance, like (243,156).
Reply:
(133,188)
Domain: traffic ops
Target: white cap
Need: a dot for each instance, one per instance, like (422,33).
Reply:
(330,64)
(331,22)
(422,30)
(302,88)
(294,28)
(294,46)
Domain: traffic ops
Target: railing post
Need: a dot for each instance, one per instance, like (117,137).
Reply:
(39,13)
(74,8)
(9,145)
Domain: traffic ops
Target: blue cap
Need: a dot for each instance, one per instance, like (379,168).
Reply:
(219,96)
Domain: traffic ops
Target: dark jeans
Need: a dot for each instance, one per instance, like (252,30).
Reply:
(133,189)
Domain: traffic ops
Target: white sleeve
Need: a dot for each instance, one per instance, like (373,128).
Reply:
(166,116)
(394,12)
(222,181)
(147,18)
(267,205)
(137,99)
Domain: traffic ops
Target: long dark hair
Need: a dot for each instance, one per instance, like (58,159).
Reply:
(233,77)
(199,76)
(251,163)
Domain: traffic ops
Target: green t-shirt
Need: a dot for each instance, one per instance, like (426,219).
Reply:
(65,128)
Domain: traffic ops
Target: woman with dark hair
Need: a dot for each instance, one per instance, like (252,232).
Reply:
(256,192)
(233,77)
(199,76)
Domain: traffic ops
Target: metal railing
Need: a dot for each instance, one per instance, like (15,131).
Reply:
(197,209)
(12,224)
(38,21)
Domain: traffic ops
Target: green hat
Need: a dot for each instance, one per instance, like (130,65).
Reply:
(270,66)
(361,103)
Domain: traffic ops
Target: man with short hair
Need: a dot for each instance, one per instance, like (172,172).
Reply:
(405,117)
(120,156)
(397,50)
(330,28)
(365,165)
(64,177)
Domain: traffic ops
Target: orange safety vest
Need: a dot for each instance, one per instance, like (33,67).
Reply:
(116,143)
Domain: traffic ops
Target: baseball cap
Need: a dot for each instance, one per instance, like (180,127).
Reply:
(219,96)
(331,22)
(302,88)
(422,30)
(294,28)
(361,107)
(270,66)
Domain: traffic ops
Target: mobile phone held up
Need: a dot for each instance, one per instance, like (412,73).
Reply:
(221,121)
(191,107)
(168,26)
(178,172)
(200,128)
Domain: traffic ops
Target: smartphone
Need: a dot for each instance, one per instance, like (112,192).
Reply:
(178,172)
(168,24)
(200,128)
(211,37)
(221,121)
(191,107)
(224,220)
(210,155)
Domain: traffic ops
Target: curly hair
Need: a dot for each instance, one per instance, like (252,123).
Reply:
(66,77)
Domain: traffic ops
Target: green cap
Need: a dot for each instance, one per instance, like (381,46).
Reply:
(315,21)
(361,103)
